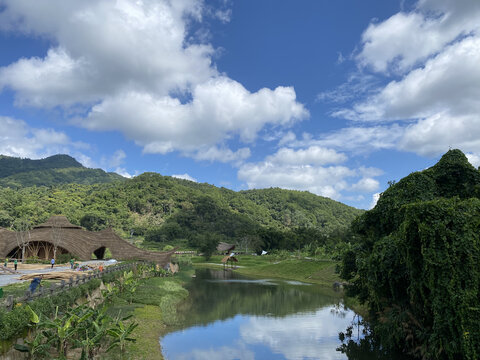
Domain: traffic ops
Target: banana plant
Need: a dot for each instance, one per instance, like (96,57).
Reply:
(36,348)
(60,331)
(109,292)
(120,334)
(91,333)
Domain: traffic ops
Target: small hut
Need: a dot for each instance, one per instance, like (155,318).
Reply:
(225,248)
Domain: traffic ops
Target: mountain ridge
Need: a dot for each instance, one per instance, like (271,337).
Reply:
(53,170)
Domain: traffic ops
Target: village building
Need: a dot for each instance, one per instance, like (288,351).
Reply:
(59,236)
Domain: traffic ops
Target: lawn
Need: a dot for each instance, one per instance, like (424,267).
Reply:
(320,272)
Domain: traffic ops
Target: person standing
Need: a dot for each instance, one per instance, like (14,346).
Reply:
(72,261)
(52,262)
(15,264)
(6,262)
(35,283)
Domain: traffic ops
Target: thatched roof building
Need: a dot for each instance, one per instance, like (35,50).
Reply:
(58,235)
(225,248)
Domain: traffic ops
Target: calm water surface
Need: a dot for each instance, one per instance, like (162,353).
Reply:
(230,317)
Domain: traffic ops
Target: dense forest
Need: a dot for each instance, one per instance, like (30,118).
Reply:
(167,211)
(416,262)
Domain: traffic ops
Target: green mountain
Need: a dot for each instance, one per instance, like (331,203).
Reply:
(53,170)
(165,210)
(416,262)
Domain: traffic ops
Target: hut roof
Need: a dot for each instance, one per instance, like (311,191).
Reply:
(224,247)
(58,221)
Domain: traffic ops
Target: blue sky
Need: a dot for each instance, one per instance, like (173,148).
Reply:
(333,97)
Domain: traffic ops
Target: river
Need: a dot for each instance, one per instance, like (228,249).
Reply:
(227,316)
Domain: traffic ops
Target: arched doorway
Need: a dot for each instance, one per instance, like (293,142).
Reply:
(101,253)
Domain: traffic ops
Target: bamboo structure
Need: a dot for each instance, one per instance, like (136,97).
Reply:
(45,242)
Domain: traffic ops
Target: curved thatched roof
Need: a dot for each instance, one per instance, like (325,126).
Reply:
(58,221)
(81,243)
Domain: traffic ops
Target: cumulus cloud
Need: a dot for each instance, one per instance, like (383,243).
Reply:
(324,181)
(446,83)
(184,177)
(220,108)
(314,155)
(474,159)
(19,140)
(375,198)
(433,101)
(407,39)
(313,169)
(133,67)
(366,185)
(223,155)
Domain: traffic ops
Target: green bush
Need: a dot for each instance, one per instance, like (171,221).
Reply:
(63,258)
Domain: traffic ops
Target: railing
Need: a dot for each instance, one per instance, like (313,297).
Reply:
(56,289)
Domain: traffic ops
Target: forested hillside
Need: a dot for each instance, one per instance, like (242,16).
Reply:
(54,170)
(165,210)
(416,262)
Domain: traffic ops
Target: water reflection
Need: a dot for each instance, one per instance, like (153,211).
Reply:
(228,317)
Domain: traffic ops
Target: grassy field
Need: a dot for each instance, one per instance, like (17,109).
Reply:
(320,272)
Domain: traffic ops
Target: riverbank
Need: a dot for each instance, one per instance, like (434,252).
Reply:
(320,272)
(154,309)
(151,304)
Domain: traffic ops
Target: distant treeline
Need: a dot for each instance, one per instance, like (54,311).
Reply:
(169,211)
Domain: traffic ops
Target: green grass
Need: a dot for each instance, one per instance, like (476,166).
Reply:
(18,289)
(320,272)
(147,334)
(154,307)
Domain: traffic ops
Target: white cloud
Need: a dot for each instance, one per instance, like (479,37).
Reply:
(133,67)
(375,198)
(446,83)
(184,177)
(287,138)
(104,46)
(438,133)
(223,155)
(221,108)
(435,101)
(300,336)
(357,140)
(307,169)
(366,185)
(314,155)
(19,140)
(474,159)
(324,181)
(123,172)
(85,160)
(407,39)
(117,158)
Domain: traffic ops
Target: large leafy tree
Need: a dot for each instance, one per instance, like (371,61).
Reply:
(416,262)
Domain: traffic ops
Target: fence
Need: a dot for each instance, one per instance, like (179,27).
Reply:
(56,289)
